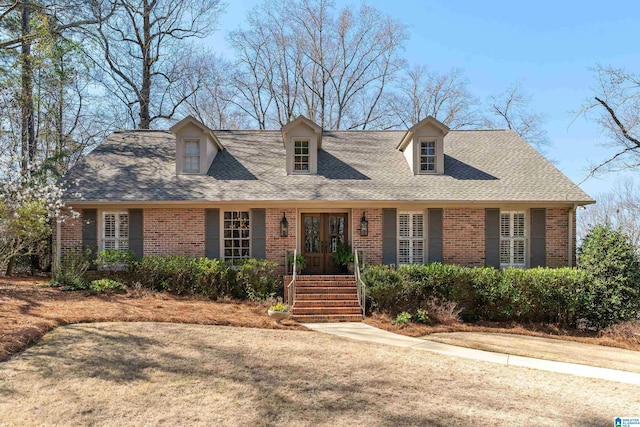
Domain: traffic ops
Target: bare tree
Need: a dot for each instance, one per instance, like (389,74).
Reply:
(617,110)
(445,96)
(620,207)
(512,109)
(304,57)
(145,46)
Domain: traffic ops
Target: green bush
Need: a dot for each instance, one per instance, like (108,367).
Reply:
(114,260)
(107,285)
(213,278)
(402,319)
(71,273)
(259,279)
(422,316)
(613,266)
(538,295)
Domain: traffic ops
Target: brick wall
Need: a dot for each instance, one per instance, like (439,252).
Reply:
(371,245)
(557,237)
(70,235)
(276,246)
(463,236)
(174,232)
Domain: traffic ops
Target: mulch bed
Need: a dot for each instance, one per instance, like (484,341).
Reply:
(27,311)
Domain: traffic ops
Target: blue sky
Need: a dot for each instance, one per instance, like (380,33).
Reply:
(548,46)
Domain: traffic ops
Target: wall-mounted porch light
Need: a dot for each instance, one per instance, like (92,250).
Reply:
(284,226)
(364,226)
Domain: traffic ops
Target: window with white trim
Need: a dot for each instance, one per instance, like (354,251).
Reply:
(427,156)
(236,235)
(301,156)
(410,238)
(191,156)
(115,230)
(512,239)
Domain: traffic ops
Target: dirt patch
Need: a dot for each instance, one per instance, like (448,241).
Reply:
(28,311)
(627,340)
(170,374)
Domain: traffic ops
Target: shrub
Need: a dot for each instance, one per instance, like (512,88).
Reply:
(279,306)
(259,279)
(71,273)
(613,266)
(107,285)
(402,319)
(448,292)
(422,316)
(114,260)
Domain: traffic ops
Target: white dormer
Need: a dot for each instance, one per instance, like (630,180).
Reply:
(423,147)
(302,139)
(196,146)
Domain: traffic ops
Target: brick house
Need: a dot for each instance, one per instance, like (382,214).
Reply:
(480,197)
(474,198)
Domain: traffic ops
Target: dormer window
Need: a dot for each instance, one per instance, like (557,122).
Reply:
(427,156)
(301,157)
(191,156)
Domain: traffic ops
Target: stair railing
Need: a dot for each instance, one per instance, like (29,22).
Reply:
(291,287)
(360,284)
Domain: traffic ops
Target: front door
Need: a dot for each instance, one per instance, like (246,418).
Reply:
(322,234)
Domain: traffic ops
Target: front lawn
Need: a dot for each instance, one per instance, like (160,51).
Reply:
(171,374)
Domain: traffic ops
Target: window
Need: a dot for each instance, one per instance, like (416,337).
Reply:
(301,156)
(411,238)
(236,235)
(192,156)
(115,230)
(427,156)
(512,239)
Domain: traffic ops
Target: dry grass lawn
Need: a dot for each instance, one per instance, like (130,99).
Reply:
(170,374)
(544,348)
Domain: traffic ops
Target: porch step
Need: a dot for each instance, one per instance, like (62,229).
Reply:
(322,318)
(326,298)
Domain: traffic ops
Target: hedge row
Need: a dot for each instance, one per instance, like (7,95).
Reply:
(252,279)
(562,295)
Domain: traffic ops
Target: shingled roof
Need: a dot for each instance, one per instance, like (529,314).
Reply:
(490,166)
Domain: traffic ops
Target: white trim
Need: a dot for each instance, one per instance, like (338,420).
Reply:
(117,240)
(184,155)
(222,237)
(411,238)
(513,239)
(435,156)
(293,156)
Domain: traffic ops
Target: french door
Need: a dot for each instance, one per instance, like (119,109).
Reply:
(321,235)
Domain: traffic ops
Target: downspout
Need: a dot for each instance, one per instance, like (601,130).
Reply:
(570,246)
(56,264)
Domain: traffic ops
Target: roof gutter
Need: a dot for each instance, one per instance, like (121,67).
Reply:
(571,250)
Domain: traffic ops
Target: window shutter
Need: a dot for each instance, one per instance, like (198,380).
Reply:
(389,237)
(136,233)
(212,233)
(492,237)
(435,235)
(258,233)
(538,238)
(90,233)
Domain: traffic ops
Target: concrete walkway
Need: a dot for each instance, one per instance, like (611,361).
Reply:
(364,332)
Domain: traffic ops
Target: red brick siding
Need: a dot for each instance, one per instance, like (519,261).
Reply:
(276,246)
(174,232)
(371,245)
(557,237)
(463,236)
(70,235)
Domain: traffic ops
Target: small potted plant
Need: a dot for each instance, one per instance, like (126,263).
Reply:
(343,256)
(278,312)
(301,263)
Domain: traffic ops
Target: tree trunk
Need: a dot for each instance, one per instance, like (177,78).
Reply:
(28,128)
(145,93)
